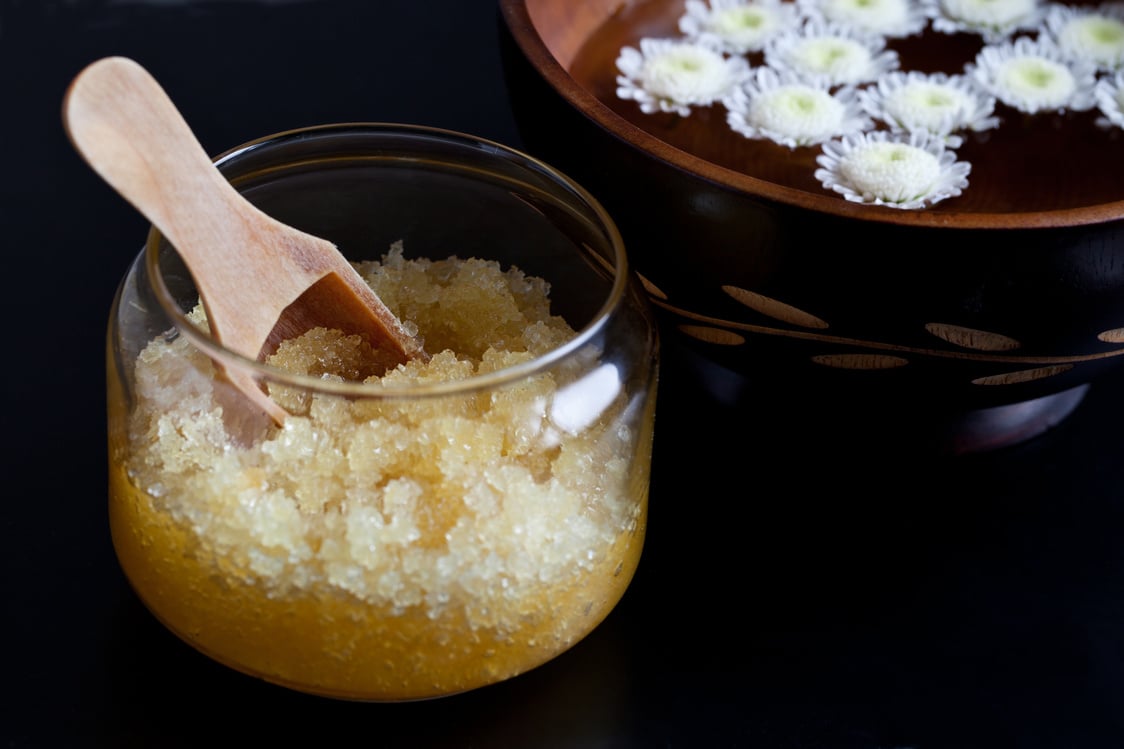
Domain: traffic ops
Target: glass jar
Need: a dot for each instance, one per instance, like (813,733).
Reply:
(419,532)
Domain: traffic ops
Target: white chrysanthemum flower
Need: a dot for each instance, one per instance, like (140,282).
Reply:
(673,75)
(1092,35)
(894,170)
(831,54)
(1109,93)
(1032,76)
(738,27)
(786,110)
(994,20)
(889,18)
(937,103)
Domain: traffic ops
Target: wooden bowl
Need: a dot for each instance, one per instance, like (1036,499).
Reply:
(999,306)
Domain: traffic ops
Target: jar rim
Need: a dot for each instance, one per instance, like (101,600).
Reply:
(232,360)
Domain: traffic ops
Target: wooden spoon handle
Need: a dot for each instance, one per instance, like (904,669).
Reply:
(125,126)
(249,268)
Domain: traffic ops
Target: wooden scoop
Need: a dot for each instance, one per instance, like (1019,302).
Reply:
(260,280)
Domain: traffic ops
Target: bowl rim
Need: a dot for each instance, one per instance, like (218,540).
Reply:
(615,298)
(517,18)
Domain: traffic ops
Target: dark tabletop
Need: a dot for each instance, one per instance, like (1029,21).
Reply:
(802,586)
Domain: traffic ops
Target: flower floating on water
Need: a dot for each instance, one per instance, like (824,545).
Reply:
(830,78)
(1095,36)
(1109,93)
(786,110)
(673,75)
(994,20)
(894,170)
(890,18)
(937,103)
(831,54)
(737,26)
(1032,76)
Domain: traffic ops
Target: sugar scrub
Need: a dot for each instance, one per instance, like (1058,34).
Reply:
(387,548)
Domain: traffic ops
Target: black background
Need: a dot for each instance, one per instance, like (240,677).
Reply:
(801,586)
